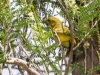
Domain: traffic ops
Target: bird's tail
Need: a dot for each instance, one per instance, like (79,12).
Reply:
(68,51)
(75,43)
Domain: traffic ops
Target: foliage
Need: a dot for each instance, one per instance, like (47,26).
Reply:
(82,69)
(23,35)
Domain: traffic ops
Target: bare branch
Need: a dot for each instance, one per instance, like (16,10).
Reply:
(22,63)
(10,71)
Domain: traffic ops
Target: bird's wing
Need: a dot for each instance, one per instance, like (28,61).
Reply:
(62,29)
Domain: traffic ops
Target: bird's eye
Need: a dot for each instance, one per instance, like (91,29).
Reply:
(48,20)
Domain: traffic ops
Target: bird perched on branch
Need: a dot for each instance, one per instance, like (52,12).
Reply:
(60,32)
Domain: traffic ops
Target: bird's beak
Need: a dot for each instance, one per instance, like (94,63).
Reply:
(44,20)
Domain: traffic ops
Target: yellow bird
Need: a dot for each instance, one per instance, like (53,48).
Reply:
(60,32)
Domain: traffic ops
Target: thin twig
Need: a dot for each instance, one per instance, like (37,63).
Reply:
(28,35)
(85,50)
(11,50)
(22,63)
(9,68)
(45,68)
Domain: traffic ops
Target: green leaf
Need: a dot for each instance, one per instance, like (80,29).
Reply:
(73,66)
(3,60)
(36,49)
(89,12)
(95,68)
(81,69)
(1,55)
(57,59)
(78,66)
(51,47)
(54,67)
(2,35)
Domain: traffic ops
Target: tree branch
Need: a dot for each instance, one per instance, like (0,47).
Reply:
(10,70)
(22,63)
(71,34)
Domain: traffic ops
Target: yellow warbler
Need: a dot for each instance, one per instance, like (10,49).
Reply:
(60,32)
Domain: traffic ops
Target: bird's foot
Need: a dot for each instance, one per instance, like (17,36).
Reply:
(59,44)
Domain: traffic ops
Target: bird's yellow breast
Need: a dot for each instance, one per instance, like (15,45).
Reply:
(65,39)
(62,33)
